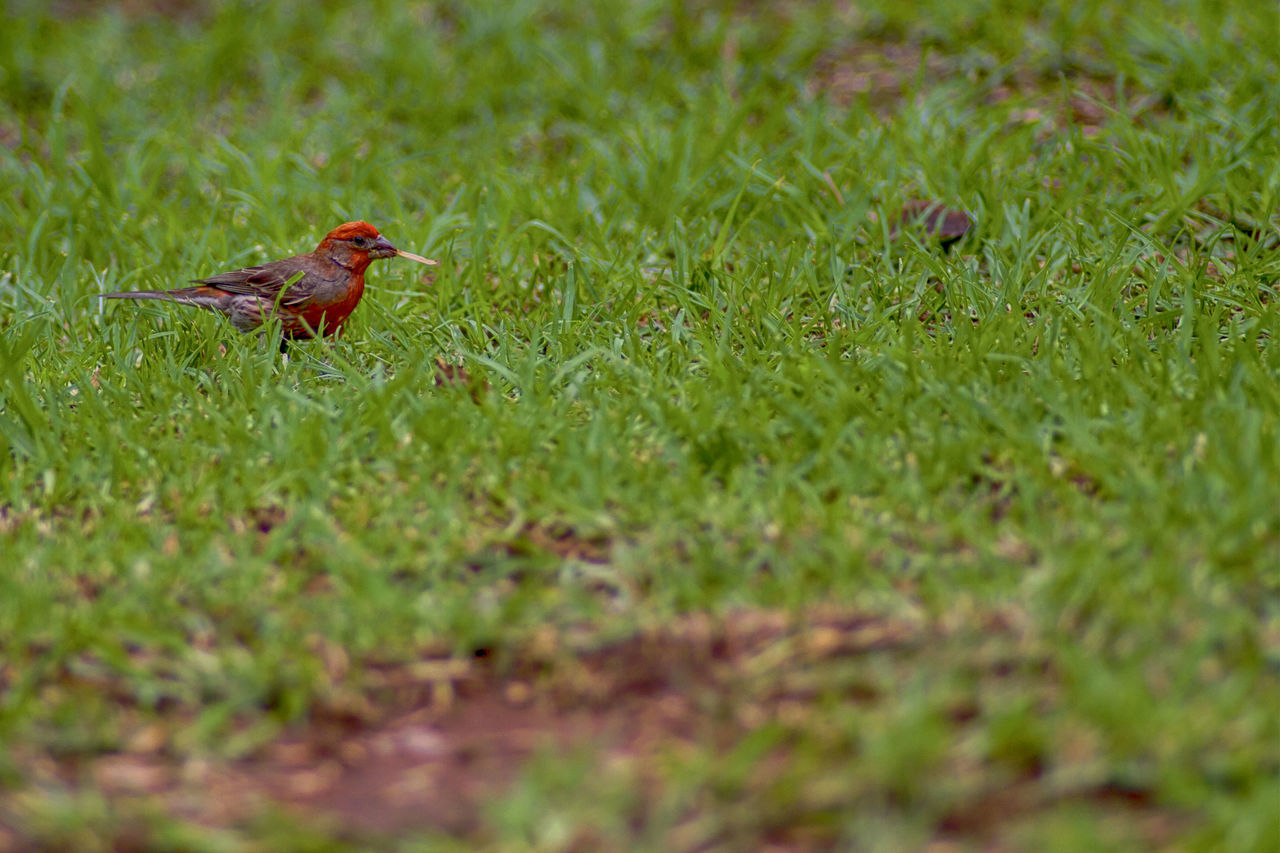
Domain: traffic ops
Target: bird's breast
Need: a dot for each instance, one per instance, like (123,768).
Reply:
(328,315)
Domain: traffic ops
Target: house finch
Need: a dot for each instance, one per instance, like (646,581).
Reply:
(312,294)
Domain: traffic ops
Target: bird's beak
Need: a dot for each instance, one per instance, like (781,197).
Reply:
(382,248)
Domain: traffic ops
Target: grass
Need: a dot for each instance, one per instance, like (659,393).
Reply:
(707,386)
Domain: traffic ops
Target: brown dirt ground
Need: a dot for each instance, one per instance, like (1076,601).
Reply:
(429,744)
(882,73)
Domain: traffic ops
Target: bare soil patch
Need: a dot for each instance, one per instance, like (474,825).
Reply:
(428,745)
(883,72)
(880,71)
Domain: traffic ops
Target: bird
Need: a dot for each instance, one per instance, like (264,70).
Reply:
(311,294)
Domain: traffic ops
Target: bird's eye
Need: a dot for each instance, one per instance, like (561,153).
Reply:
(358,240)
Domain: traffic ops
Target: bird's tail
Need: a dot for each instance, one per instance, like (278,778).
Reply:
(205,297)
(140,294)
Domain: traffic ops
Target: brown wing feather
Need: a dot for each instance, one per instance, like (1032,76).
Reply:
(264,281)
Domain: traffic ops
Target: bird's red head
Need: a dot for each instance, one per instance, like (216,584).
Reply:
(347,230)
(355,244)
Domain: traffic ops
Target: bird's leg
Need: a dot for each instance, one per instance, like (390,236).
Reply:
(265,339)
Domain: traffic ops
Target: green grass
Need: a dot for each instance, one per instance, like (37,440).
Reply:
(665,246)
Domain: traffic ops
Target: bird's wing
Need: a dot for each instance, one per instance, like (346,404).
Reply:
(264,281)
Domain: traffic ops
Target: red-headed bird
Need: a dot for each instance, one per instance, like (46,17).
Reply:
(311,294)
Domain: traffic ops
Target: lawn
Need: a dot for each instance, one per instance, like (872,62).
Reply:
(695,501)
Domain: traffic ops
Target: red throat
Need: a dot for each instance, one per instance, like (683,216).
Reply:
(357,261)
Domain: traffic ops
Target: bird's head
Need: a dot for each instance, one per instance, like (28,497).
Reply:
(358,239)
(355,244)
